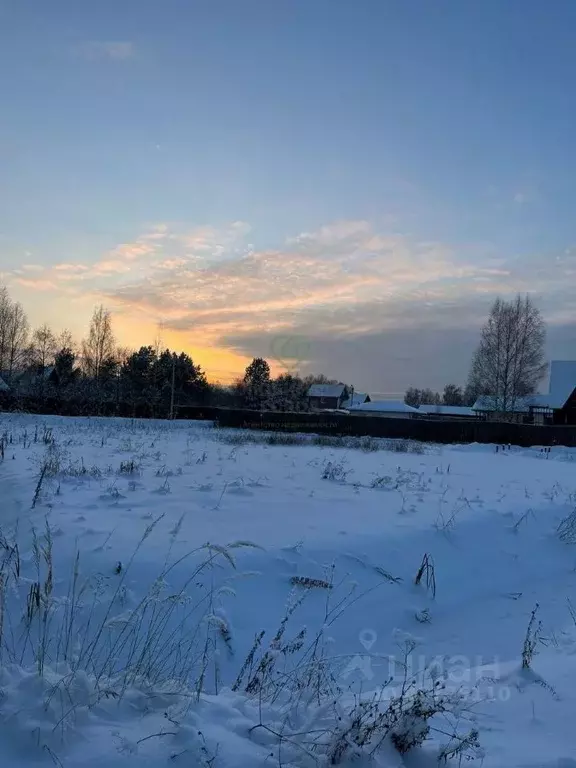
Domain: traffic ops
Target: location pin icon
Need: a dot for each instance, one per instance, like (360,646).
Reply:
(367,638)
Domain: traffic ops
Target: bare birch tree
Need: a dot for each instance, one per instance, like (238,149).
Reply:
(5,305)
(42,353)
(43,347)
(13,334)
(509,362)
(99,348)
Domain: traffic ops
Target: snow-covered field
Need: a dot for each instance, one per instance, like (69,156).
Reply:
(140,563)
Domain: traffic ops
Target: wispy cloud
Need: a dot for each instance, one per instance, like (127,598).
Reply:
(344,282)
(316,274)
(114,50)
(71,268)
(37,284)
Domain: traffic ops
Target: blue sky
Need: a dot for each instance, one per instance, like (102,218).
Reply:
(366,175)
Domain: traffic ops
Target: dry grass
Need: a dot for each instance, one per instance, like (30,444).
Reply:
(531,640)
(172,639)
(427,571)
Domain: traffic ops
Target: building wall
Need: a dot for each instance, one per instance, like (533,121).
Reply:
(323,403)
(567,415)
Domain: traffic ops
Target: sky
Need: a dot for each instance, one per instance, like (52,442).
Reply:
(340,187)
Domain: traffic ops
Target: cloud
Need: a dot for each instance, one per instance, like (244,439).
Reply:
(377,306)
(134,250)
(110,267)
(345,278)
(114,50)
(36,284)
(70,267)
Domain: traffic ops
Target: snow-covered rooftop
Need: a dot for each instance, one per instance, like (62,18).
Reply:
(357,399)
(491,403)
(390,406)
(562,384)
(446,410)
(326,390)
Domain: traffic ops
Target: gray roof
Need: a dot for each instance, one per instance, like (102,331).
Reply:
(357,399)
(447,410)
(491,403)
(385,406)
(562,382)
(326,390)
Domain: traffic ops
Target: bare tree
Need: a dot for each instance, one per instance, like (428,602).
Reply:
(100,346)
(13,334)
(452,395)
(41,355)
(509,362)
(65,340)
(43,347)
(416,397)
(5,307)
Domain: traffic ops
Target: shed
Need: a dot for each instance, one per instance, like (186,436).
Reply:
(322,397)
(392,409)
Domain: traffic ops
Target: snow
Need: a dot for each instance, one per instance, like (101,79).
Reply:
(357,399)
(446,410)
(562,384)
(385,406)
(134,498)
(326,390)
(491,403)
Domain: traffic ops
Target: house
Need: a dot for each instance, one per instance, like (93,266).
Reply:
(491,408)
(324,397)
(391,409)
(356,398)
(34,379)
(558,406)
(3,386)
(447,412)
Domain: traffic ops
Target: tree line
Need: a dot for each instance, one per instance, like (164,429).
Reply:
(508,364)
(97,374)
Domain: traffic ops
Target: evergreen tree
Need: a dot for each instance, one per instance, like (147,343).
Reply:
(288,393)
(257,388)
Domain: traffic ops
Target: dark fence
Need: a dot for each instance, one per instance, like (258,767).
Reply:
(433,431)
(430,431)
(78,407)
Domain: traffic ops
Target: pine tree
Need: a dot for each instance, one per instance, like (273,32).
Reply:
(257,387)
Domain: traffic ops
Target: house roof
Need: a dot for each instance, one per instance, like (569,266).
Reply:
(326,390)
(357,399)
(447,410)
(3,386)
(562,382)
(491,403)
(562,385)
(390,406)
